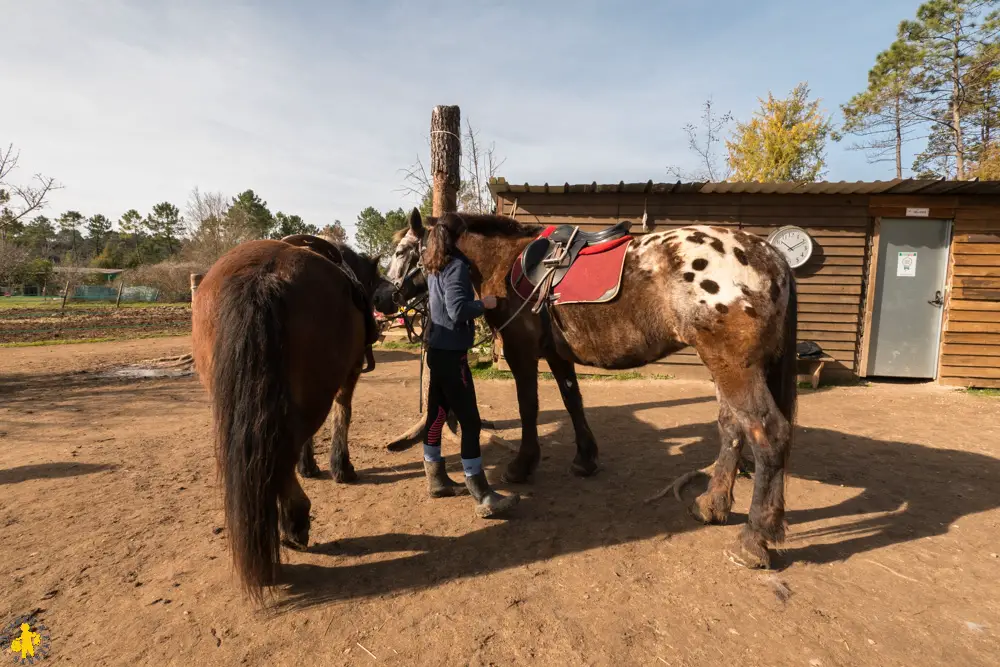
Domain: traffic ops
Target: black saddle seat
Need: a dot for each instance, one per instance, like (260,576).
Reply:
(562,233)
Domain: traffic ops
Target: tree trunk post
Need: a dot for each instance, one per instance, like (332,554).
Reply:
(121,288)
(446,157)
(196,279)
(65,295)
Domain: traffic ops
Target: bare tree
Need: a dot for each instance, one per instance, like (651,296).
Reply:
(479,164)
(416,182)
(17,201)
(13,259)
(212,230)
(705,147)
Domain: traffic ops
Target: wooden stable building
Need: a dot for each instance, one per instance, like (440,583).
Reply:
(903,280)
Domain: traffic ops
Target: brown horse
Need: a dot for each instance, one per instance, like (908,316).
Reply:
(726,293)
(280,333)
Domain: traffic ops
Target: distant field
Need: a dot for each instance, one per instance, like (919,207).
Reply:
(38,321)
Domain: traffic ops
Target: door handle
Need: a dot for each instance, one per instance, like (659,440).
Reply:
(937,301)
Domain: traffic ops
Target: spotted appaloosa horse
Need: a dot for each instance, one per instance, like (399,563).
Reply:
(726,293)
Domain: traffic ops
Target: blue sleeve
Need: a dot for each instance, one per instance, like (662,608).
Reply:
(459,301)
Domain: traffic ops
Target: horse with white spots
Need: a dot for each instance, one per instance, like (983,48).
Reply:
(726,293)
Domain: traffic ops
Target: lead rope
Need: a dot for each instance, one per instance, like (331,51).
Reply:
(519,309)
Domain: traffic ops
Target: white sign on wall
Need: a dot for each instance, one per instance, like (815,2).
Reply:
(906,265)
(917,212)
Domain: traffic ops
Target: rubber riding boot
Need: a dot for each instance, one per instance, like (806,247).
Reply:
(489,503)
(439,485)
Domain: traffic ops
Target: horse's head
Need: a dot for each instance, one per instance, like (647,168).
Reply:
(405,276)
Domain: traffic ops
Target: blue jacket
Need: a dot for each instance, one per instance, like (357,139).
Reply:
(453,306)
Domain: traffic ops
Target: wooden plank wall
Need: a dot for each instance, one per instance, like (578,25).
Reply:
(970,353)
(830,285)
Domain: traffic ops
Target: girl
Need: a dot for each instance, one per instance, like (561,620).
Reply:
(453,309)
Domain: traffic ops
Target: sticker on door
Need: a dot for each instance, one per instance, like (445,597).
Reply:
(906,265)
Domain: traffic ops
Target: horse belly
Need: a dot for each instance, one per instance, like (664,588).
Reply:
(629,332)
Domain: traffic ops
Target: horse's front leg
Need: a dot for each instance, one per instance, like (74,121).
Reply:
(307,460)
(585,462)
(524,365)
(340,460)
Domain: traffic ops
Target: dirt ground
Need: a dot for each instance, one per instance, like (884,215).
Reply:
(112,520)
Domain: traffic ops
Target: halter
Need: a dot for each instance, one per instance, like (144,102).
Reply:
(397,285)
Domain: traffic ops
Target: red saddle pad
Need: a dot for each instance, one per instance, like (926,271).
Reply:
(595,276)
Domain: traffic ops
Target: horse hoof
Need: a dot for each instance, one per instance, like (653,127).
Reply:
(299,543)
(517,473)
(309,471)
(749,553)
(584,468)
(345,475)
(710,508)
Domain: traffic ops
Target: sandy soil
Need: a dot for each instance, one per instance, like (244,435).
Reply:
(112,533)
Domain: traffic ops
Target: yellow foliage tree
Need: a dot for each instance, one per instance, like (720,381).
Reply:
(784,141)
(988,167)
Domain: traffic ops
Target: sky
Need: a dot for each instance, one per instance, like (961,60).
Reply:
(319,106)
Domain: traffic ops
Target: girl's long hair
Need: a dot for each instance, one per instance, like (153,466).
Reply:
(441,239)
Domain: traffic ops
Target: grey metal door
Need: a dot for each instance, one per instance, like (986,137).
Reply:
(909,297)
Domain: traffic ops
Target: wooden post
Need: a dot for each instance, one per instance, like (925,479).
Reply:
(65,295)
(446,164)
(121,287)
(196,279)
(446,156)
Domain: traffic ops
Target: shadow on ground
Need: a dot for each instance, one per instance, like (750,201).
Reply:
(916,491)
(50,471)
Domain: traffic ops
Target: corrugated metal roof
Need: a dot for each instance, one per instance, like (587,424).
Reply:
(899,186)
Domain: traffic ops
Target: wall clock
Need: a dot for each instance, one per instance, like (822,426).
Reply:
(794,243)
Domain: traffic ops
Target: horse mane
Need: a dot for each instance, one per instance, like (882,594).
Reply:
(495,225)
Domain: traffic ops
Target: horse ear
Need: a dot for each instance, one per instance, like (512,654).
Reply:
(416,223)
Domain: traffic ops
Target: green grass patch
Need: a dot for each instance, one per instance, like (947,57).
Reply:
(485,370)
(987,392)
(397,345)
(76,341)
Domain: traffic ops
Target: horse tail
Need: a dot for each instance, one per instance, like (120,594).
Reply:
(252,426)
(782,373)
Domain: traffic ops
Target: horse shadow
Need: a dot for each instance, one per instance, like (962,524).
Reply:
(56,470)
(901,492)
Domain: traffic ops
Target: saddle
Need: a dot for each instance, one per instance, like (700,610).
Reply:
(556,253)
(318,245)
(362,301)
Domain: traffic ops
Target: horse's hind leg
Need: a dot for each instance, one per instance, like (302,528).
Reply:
(293,514)
(585,462)
(340,460)
(769,434)
(714,505)
(307,460)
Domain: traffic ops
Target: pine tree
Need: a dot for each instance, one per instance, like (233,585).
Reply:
(947,35)
(888,112)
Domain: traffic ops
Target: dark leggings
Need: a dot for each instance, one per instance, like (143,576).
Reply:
(451,388)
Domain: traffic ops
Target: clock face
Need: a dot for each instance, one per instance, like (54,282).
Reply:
(794,243)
